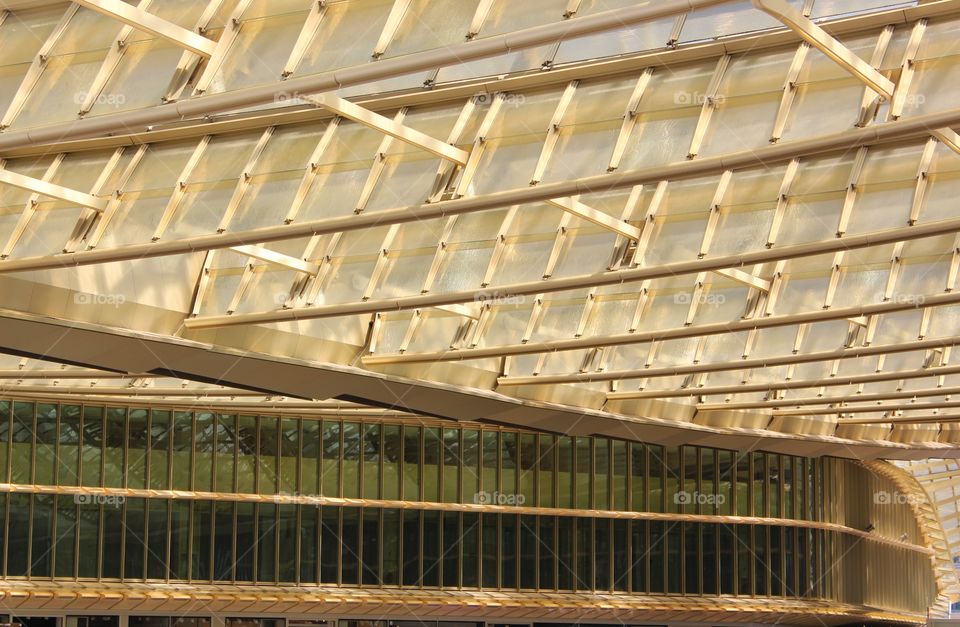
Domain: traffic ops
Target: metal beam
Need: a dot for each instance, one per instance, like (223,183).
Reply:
(827,44)
(683,170)
(150,23)
(949,137)
(580,210)
(793,384)
(52,190)
(364,73)
(351,111)
(277,258)
(835,400)
(852,352)
(531,288)
(721,328)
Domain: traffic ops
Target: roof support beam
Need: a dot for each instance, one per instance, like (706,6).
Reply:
(821,315)
(147,22)
(875,377)
(949,137)
(853,352)
(351,111)
(683,170)
(827,44)
(274,257)
(599,218)
(850,398)
(45,188)
(863,240)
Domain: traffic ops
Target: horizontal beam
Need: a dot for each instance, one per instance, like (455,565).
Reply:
(793,384)
(277,258)
(682,170)
(865,409)
(615,277)
(833,400)
(946,418)
(827,44)
(150,23)
(577,208)
(486,47)
(351,111)
(52,190)
(130,391)
(244,367)
(717,328)
(854,352)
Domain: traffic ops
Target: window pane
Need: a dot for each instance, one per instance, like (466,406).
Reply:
(287,541)
(112,539)
(528,552)
(137,441)
(350,551)
(371,461)
(471,465)
(526,469)
(289,453)
(546,475)
(223,542)
(266,542)
(204,442)
(88,558)
(18,533)
(351,460)
(431,464)
(226,448)
(371,547)
(392,456)
(411,464)
(46,463)
(451,549)
(309,530)
(202,545)
(245,541)
(92,445)
(159,449)
(451,466)
(179,539)
(267,460)
(508,550)
(156,539)
(391,546)
(601,477)
(182,457)
(135,539)
(329,544)
(331,459)
(310,457)
(471,550)
(21,451)
(246,442)
(66,536)
(430,541)
(42,536)
(68,452)
(113,441)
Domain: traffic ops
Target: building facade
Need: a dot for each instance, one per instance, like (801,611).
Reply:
(111,495)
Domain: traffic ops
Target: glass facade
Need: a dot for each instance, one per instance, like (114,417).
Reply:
(260,499)
(136,448)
